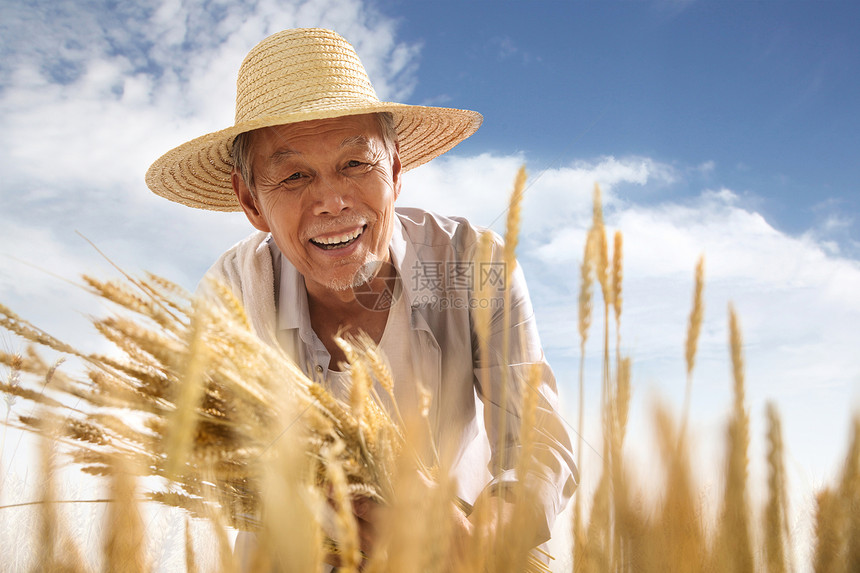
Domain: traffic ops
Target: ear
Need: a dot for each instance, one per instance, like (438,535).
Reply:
(248,202)
(396,170)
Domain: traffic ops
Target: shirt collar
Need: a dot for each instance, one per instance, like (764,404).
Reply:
(403,258)
(292,299)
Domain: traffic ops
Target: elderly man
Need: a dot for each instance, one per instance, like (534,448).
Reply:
(315,161)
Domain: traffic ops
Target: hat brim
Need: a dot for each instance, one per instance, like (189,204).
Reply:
(197,173)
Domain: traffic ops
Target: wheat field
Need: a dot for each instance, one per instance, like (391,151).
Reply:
(193,412)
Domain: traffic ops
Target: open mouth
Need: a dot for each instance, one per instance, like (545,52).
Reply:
(339,241)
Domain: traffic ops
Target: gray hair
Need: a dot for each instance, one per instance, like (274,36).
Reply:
(240,153)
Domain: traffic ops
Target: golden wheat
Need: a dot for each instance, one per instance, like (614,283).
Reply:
(851,496)
(512,225)
(584,322)
(601,248)
(219,424)
(190,557)
(777,539)
(829,555)
(124,538)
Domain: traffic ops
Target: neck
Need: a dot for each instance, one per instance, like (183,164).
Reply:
(333,302)
(350,307)
(330,299)
(335,313)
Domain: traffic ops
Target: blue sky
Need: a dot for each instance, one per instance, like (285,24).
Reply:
(767,91)
(724,128)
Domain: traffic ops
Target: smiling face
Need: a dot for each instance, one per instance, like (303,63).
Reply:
(325,189)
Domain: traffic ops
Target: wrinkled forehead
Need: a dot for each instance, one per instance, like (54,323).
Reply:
(332,134)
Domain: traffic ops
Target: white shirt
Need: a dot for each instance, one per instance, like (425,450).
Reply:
(433,256)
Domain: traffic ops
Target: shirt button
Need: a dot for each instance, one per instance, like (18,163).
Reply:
(319,369)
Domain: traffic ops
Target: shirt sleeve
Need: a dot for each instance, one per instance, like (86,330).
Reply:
(503,366)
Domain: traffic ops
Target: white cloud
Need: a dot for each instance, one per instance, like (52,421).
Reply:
(833,228)
(477,188)
(835,222)
(783,286)
(139,91)
(706,167)
(87,118)
(797,301)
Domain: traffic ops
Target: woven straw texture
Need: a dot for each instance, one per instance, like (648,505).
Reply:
(293,76)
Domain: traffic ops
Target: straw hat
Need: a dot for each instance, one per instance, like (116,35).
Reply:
(292,76)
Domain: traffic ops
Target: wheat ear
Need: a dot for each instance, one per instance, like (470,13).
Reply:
(617,287)
(694,327)
(602,247)
(512,226)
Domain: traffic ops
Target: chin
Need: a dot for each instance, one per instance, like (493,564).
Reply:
(345,281)
(350,275)
(342,284)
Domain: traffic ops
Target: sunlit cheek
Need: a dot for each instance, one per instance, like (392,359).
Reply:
(287,234)
(280,202)
(384,229)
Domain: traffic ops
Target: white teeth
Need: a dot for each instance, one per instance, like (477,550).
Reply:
(340,238)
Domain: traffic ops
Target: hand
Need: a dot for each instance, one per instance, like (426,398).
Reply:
(491,515)
(367,513)
(478,532)
(506,530)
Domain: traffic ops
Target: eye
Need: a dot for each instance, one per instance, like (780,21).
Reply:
(294,177)
(354,163)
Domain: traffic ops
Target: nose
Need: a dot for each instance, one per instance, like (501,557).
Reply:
(331,197)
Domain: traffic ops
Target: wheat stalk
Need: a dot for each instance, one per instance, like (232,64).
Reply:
(124,539)
(345,526)
(850,494)
(190,556)
(734,549)
(512,228)
(586,271)
(830,543)
(57,551)
(679,539)
(776,510)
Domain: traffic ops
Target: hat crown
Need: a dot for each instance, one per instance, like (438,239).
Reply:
(300,71)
